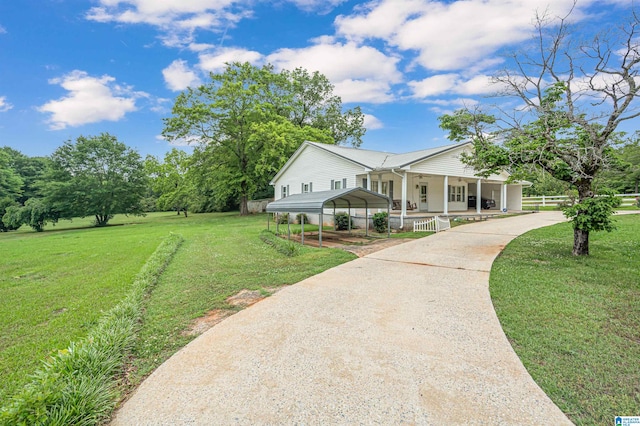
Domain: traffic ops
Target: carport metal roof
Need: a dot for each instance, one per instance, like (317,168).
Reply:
(316,202)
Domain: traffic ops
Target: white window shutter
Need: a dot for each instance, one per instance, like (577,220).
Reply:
(310,186)
(333,184)
(344,183)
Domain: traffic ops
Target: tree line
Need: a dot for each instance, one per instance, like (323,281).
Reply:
(244,124)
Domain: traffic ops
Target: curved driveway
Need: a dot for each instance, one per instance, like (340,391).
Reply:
(407,335)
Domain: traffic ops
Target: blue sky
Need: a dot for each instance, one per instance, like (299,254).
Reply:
(73,67)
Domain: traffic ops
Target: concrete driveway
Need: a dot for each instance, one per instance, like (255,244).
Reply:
(406,335)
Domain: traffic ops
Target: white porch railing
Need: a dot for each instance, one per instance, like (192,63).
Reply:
(435,224)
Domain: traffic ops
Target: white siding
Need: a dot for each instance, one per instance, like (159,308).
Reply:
(318,167)
(449,164)
(514,197)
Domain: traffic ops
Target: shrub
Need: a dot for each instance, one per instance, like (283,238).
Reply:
(381,222)
(300,217)
(283,219)
(341,221)
(286,247)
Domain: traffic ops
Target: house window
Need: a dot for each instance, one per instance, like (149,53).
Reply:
(387,188)
(306,187)
(457,194)
(364,183)
(339,184)
(284,191)
(374,185)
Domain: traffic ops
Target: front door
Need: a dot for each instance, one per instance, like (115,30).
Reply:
(422,203)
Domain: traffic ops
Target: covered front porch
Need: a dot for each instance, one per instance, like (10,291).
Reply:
(415,195)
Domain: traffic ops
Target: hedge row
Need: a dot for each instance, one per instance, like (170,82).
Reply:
(79,385)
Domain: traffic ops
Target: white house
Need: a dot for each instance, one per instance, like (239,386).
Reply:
(428,181)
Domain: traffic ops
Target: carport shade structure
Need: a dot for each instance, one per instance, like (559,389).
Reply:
(316,202)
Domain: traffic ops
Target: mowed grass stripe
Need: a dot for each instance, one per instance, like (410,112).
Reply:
(55,286)
(575,321)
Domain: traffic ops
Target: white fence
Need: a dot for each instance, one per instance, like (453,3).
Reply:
(436,224)
(556,200)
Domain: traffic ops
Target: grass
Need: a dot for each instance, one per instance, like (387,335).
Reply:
(575,322)
(57,284)
(79,385)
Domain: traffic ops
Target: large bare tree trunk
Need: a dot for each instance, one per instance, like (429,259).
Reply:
(244,208)
(580,242)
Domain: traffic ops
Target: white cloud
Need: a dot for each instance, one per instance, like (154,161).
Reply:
(451,84)
(371,122)
(4,105)
(90,100)
(369,91)
(199,47)
(217,61)
(339,61)
(448,106)
(449,35)
(179,76)
(177,19)
(359,73)
(3,30)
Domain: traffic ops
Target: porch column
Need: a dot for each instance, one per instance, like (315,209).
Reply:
(479,196)
(446,195)
(366,211)
(503,197)
(403,210)
(379,186)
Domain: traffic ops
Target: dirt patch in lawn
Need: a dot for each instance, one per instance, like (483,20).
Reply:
(242,299)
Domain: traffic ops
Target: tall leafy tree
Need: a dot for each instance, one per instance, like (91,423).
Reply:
(225,116)
(573,96)
(625,176)
(170,180)
(95,176)
(10,189)
(10,181)
(315,105)
(30,170)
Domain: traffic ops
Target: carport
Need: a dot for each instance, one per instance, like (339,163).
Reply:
(317,202)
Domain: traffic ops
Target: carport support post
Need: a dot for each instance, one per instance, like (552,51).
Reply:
(388,222)
(277,225)
(289,226)
(302,231)
(320,230)
(335,225)
(366,218)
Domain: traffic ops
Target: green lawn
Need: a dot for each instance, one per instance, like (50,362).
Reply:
(575,322)
(55,285)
